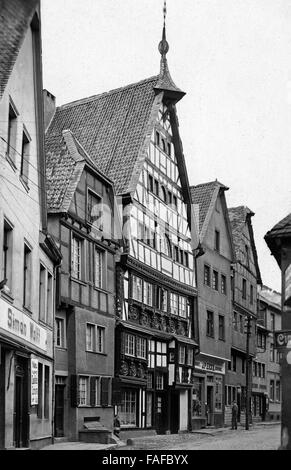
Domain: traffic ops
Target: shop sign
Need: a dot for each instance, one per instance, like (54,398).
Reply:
(22,326)
(282,339)
(34,381)
(210,366)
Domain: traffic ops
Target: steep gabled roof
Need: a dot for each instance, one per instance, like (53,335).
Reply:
(275,236)
(15,18)
(64,170)
(204,196)
(239,216)
(111,127)
(270,296)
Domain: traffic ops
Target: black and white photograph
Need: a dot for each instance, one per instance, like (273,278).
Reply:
(145,228)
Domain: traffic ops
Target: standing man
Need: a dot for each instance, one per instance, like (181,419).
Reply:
(234,412)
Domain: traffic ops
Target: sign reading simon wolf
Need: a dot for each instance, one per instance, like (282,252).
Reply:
(21,325)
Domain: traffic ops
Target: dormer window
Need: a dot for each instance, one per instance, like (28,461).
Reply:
(94,209)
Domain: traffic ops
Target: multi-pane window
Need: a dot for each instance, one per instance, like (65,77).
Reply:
(95,338)
(98,267)
(45,295)
(210,324)
(174,304)
(7,254)
(27,277)
(182,306)
(94,209)
(128,408)
(141,347)
(137,293)
(217,240)
(221,327)
(159,381)
(151,354)
(77,247)
(60,332)
(206,275)
(182,351)
(215,280)
(149,380)
(90,337)
(25,151)
(129,344)
(223,284)
(83,390)
(272,321)
(100,345)
(190,357)
(161,354)
(244,289)
(162,299)
(148,293)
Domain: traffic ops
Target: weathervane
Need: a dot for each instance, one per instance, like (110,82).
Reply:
(164,46)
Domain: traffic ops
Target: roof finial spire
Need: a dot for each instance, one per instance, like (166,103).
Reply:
(164,46)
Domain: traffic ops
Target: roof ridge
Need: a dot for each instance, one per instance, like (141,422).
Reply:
(105,93)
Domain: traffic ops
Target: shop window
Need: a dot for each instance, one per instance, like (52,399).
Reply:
(40,391)
(218,393)
(128,409)
(197,397)
(46,392)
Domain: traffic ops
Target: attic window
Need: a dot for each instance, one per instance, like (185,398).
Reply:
(157,138)
(94,209)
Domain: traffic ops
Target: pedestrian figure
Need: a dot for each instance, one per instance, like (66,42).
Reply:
(234,413)
(116,426)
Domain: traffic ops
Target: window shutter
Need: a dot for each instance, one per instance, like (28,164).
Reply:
(105,391)
(116,392)
(74,391)
(93,384)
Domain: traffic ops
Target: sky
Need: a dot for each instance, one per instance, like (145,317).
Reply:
(233,60)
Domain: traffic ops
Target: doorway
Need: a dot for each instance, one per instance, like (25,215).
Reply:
(20,437)
(59,410)
(209,405)
(161,413)
(174,411)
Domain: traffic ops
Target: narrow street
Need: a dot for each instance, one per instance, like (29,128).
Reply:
(258,438)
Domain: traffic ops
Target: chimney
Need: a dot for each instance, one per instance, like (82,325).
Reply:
(49,106)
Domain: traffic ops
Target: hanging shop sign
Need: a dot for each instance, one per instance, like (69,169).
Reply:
(22,326)
(282,339)
(34,382)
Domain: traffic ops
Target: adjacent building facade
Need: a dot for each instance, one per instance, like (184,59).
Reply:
(83,218)
(214,303)
(266,385)
(245,277)
(29,255)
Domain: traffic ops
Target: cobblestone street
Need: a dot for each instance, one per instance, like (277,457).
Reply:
(257,438)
